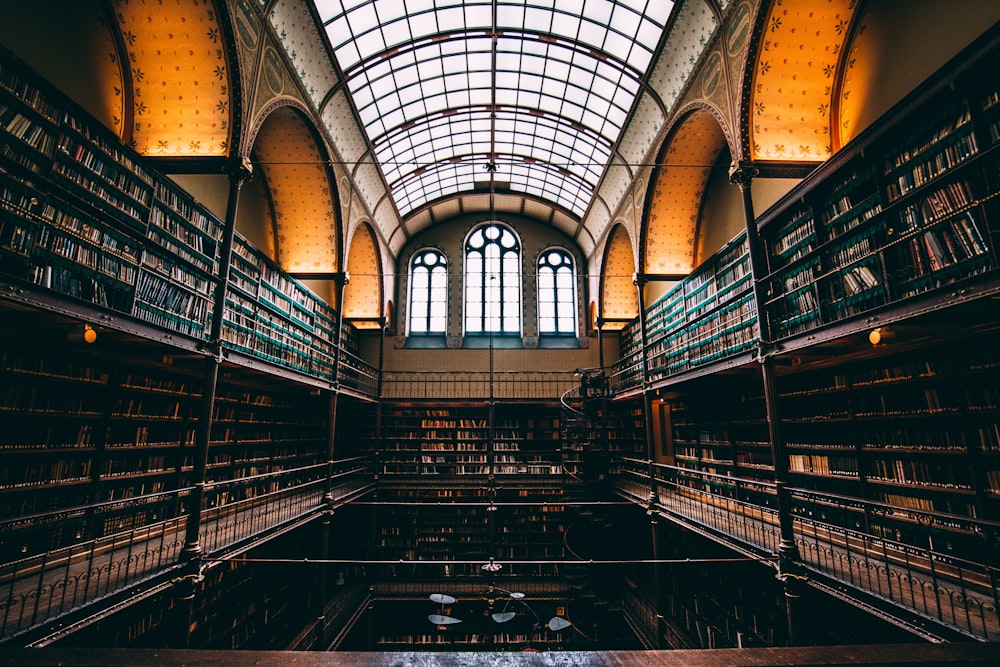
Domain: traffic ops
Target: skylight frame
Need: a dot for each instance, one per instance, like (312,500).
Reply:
(427,68)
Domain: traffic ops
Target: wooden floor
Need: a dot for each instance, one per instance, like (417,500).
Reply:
(897,655)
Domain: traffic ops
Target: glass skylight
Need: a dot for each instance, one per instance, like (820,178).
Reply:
(545,100)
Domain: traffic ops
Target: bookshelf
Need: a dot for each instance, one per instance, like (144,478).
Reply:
(452,442)
(259,429)
(732,442)
(624,428)
(82,429)
(709,316)
(905,211)
(435,441)
(270,316)
(436,462)
(915,429)
(82,215)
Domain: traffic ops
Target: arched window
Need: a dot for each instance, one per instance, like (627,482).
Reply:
(556,293)
(428,292)
(492,281)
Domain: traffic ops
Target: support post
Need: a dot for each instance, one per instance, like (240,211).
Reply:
(789,572)
(340,280)
(660,628)
(239,173)
(640,281)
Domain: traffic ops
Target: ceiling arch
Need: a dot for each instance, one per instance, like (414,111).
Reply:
(302,196)
(536,92)
(619,296)
(363,294)
(669,240)
(180,81)
(795,78)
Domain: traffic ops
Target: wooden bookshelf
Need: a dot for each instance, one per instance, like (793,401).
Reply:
(914,430)
(451,442)
(271,316)
(257,429)
(82,430)
(905,211)
(732,441)
(709,316)
(82,215)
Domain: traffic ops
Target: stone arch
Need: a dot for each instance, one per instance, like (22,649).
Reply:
(619,297)
(669,238)
(294,165)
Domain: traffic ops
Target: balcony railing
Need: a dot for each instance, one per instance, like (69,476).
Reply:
(925,565)
(356,374)
(477,384)
(42,587)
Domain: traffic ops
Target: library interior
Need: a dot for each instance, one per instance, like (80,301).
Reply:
(610,332)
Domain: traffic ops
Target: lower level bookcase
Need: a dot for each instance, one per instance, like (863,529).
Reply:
(100,438)
(873,436)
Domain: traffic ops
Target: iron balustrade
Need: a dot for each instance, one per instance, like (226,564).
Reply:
(476,384)
(245,508)
(625,374)
(356,374)
(925,565)
(44,586)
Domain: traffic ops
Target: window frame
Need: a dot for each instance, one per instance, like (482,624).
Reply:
(427,315)
(507,286)
(559,305)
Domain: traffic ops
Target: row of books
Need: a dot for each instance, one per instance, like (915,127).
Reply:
(138,209)
(917,471)
(953,242)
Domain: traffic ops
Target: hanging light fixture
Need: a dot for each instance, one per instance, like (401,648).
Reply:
(506,614)
(441,618)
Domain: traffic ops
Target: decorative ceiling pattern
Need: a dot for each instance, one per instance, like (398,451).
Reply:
(300,191)
(180,78)
(688,38)
(362,294)
(641,132)
(304,46)
(619,296)
(674,210)
(794,80)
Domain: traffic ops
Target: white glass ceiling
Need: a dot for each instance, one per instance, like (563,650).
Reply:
(539,88)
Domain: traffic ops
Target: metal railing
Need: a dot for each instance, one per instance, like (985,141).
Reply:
(476,384)
(241,509)
(44,586)
(926,565)
(357,374)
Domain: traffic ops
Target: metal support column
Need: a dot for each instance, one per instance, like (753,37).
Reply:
(789,573)
(239,173)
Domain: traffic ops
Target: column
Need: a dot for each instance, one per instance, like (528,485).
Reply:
(789,573)
(239,173)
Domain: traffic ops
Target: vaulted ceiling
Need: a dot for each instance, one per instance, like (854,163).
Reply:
(525,96)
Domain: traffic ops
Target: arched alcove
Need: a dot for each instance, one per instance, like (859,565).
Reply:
(673,223)
(795,77)
(180,78)
(363,295)
(292,164)
(619,298)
